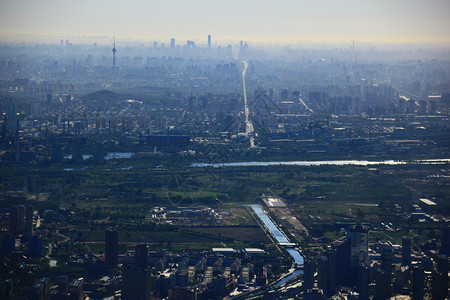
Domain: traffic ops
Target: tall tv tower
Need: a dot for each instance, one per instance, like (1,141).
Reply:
(114,54)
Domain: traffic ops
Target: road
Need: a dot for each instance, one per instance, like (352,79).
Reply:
(249,130)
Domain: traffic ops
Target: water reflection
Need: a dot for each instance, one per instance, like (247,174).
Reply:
(279,236)
(320,163)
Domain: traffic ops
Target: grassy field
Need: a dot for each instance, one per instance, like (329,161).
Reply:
(122,192)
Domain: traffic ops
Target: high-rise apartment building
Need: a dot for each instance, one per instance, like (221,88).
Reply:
(141,256)
(406,251)
(136,283)
(359,239)
(21,220)
(111,246)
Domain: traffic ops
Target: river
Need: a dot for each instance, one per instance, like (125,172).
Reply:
(281,238)
(321,163)
(277,234)
(248,125)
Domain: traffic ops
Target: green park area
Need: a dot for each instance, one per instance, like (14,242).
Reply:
(77,201)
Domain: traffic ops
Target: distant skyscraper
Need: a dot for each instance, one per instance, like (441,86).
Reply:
(209,41)
(114,54)
(190,44)
(172,43)
(191,104)
(111,246)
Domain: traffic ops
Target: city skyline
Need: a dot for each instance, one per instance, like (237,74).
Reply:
(263,21)
(142,162)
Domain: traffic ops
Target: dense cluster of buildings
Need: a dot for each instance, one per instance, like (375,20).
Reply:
(380,272)
(349,266)
(330,104)
(22,220)
(203,275)
(74,102)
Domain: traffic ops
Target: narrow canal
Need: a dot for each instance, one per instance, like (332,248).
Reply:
(281,238)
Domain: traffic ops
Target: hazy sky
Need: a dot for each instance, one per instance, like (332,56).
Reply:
(282,20)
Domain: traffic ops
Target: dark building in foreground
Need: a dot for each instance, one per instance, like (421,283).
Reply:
(314,294)
(111,246)
(7,244)
(6,288)
(386,266)
(136,283)
(363,282)
(35,246)
(359,253)
(63,284)
(345,264)
(76,289)
(327,272)
(342,250)
(406,251)
(418,283)
(382,285)
(440,278)
(309,269)
(21,220)
(445,241)
(141,256)
(39,290)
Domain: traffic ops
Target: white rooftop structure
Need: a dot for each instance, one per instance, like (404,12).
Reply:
(254,251)
(224,250)
(427,201)
(272,201)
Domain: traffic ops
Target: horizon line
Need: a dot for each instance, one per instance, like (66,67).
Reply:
(88,39)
